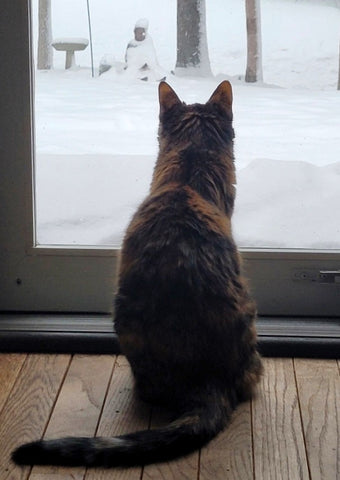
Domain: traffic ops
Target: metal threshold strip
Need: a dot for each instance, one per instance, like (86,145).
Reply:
(94,333)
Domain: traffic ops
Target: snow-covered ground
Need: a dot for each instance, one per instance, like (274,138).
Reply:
(97,137)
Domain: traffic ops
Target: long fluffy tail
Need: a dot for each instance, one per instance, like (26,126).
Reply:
(181,437)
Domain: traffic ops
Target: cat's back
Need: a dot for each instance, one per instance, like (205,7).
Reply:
(178,238)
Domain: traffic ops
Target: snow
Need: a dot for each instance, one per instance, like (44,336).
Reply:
(72,40)
(96,138)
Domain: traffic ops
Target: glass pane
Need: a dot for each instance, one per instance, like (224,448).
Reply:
(96,136)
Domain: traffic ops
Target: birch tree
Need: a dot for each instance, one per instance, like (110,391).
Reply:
(45,54)
(192,45)
(339,70)
(254,50)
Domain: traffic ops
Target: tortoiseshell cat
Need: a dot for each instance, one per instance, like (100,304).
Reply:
(183,313)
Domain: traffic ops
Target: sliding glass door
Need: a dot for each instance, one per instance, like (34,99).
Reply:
(79,147)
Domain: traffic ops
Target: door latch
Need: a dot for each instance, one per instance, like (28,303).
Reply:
(329,276)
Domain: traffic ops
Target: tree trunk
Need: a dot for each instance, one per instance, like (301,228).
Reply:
(192,45)
(45,54)
(254,50)
(339,70)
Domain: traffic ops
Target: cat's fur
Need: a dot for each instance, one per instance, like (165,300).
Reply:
(183,313)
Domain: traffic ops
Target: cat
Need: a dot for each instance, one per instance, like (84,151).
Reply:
(183,313)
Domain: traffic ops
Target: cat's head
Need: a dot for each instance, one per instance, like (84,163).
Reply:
(207,125)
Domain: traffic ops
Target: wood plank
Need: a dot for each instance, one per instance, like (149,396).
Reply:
(185,468)
(319,392)
(278,443)
(123,413)
(10,366)
(28,408)
(31,385)
(229,456)
(77,409)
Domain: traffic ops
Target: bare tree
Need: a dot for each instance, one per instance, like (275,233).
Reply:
(192,45)
(254,50)
(45,54)
(339,70)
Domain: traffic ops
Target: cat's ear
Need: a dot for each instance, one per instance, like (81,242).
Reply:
(223,95)
(167,97)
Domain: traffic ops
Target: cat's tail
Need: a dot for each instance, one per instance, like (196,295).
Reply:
(186,434)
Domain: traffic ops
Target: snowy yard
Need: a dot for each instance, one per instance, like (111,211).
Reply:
(96,138)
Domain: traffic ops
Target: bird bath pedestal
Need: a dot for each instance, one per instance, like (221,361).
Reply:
(70,45)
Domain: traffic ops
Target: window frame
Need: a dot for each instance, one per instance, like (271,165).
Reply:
(63,279)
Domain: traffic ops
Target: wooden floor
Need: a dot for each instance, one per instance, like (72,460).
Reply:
(290,431)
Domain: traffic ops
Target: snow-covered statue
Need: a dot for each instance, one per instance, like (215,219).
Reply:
(140,56)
